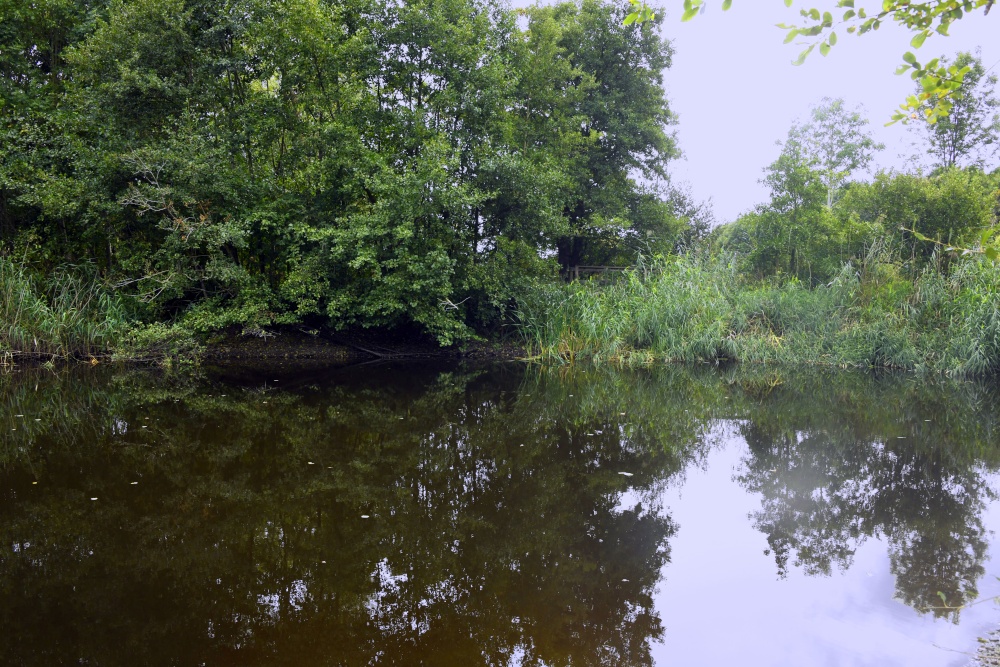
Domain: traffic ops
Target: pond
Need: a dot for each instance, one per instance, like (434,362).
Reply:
(425,513)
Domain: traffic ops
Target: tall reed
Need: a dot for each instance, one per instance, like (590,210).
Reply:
(67,313)
(697,308)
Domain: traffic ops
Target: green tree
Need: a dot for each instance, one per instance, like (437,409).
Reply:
(785,236)
(620,123)
(952,205)
(968,134)
(835,142)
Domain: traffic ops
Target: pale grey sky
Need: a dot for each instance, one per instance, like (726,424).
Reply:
(736,92)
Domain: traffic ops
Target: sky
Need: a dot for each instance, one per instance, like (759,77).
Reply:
(736,92)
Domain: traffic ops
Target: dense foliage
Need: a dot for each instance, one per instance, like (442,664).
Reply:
(328,162)
(896,272)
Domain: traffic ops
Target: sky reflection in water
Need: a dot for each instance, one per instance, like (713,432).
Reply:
(420,514)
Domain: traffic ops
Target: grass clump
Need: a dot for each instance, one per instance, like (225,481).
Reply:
(698,308)
(65,314)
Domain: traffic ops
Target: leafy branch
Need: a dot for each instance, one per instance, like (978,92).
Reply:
(989,243)
(940,83)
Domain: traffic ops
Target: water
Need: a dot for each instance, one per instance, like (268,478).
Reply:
(506,515)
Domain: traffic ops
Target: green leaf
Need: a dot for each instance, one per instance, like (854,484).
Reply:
(910,58)
(630,19)
(918,40)
(824,49)
(689,14)
(832,39)
(726,4)
(788,3)
(802,56)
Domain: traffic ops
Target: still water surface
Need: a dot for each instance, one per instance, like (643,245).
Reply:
(504,515)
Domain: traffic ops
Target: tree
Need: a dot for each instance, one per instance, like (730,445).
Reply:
(968,134)
(612,91)
(940,83)
(835,143)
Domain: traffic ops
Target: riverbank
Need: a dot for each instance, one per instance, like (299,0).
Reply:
(877,313)
(282,346)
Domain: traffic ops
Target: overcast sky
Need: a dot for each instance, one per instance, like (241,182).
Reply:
(736,92)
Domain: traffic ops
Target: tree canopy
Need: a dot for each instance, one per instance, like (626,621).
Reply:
(327,163)
(968,134)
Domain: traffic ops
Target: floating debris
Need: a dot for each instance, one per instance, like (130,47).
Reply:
(364,516)
(627,474)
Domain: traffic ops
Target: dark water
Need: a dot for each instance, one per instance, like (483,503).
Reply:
(415,514)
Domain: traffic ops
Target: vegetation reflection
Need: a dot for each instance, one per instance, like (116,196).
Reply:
(480,516)
(384,516)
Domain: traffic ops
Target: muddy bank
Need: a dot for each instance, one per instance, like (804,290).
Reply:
(348,347)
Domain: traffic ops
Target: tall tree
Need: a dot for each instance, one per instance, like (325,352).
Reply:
(835,142)
(968,134)
(615,96)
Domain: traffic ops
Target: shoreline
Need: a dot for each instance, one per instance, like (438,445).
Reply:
(290,346)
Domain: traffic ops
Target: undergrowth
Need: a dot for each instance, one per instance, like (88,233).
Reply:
(64,314)
(697,308)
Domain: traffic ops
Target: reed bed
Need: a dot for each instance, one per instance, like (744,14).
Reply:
(698,308)
(65,314)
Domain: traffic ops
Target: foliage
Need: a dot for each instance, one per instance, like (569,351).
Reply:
(259,163)
(954,206)
(66,314)
(938,80)
(795,234)
(696,308)
(835,143)
(970,131)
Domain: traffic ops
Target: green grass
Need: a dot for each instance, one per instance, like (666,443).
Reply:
(697,308)
(65,314)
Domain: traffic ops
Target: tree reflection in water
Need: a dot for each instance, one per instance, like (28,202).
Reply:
(891,459)
(391,516)
(412,515)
